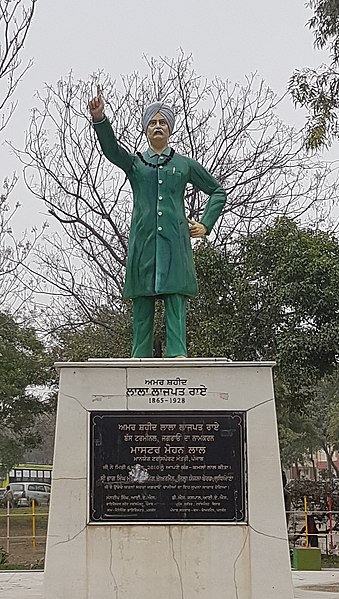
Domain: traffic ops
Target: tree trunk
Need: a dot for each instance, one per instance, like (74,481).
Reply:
(331,465)
(314,467)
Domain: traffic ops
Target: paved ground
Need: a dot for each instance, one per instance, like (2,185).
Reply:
(16,585)
(307,585)
(315,585)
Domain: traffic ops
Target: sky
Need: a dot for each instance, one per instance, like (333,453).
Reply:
(226,38)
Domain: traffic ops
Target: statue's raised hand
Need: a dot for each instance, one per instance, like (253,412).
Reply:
(96,106)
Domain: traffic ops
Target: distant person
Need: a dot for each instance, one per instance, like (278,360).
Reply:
(287,496)
(9,497)
(312,531)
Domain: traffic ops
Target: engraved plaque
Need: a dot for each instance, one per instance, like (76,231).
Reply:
(163,467)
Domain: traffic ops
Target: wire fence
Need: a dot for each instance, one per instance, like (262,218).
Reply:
(23,533)
(316,528)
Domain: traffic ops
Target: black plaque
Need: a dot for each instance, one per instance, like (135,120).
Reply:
(163,467)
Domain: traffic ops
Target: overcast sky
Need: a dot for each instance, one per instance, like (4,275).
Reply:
(227,38)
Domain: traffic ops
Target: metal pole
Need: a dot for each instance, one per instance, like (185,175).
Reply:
(306,524)
(33,525)
(8,527)
(329,500)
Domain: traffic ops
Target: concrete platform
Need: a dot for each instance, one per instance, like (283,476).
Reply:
(15,584)
(316,585)
(307,585)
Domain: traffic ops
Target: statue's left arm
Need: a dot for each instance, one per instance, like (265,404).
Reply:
(205,182)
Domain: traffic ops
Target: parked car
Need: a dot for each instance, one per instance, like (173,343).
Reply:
(25,492)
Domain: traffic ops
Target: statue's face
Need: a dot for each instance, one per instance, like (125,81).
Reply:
(157,130)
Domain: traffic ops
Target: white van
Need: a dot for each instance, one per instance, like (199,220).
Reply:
(25,492)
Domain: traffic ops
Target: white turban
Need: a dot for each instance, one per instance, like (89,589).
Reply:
(166,111)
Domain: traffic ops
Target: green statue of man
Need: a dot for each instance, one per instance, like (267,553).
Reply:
(160,259)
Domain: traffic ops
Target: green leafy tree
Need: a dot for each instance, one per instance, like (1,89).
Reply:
(24,366)
(293,438)
(275,296)
(108,334)
(321,417)
(317,89)
(303,433)
(272,296)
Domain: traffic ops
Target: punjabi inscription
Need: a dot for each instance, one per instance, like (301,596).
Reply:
(166,391)
(164,467)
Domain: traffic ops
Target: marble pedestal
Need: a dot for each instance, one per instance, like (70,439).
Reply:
(242,560)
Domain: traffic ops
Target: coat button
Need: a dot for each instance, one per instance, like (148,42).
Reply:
(160,213)
(159,228)
(161,166)
(160,197)
(160,181)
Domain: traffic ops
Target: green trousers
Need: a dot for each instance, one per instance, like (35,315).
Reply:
(143,322)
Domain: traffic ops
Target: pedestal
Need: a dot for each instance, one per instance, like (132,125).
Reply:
(167,483)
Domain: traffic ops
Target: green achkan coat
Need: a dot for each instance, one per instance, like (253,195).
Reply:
(160,258)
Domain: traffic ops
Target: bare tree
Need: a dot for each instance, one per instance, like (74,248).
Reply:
(232,130)
(15,287)
(15,20)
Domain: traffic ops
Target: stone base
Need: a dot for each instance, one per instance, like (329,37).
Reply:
(247,560)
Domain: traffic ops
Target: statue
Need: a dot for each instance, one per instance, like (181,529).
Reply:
(160,258)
